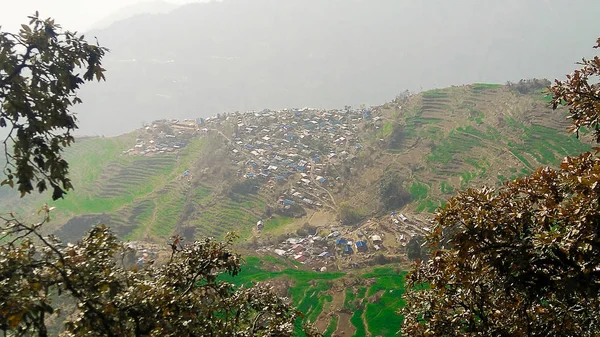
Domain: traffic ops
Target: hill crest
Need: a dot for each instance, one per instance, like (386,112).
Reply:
(210,176)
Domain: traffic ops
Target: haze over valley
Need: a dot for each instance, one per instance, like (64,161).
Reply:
(200,59)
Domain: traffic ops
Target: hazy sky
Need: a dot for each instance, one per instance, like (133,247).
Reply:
(71,14)
(255,54)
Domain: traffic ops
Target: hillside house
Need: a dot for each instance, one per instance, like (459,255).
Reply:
(341,241)
(297,248)
(361,246)
(300,258)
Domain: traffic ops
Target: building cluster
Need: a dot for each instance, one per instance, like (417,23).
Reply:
(298,146)
(346,246)
(407,228)
(318,251)
(164,136)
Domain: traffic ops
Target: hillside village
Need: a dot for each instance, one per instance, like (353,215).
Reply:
(163,136)
(265,174)
(298,145)
(373,241)
(275,146)
(300,148)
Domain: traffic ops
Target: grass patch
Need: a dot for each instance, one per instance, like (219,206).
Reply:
(547,146)
(357,321)
(476,116)
(307,292)
(276,222)
(521,158)
(458,141)
(349,299)
(202,193)
(252,273)
(435,93)
(545,95)
(418,190)
(385,130)
(89,156)
(113,181)
(217,216)
(466,178)
(428,205)
(382,315)
(486,85)
(501,179)
(446,188)
(331,327)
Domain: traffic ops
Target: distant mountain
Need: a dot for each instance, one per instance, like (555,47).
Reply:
(204,58)
(150,7)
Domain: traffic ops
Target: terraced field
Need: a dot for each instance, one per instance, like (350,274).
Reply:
(215,217)
(346,304)
(133,176)
(472,135)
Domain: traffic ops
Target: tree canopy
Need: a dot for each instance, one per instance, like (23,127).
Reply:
(41,69)
(112,295)
(522,259)
(581,93)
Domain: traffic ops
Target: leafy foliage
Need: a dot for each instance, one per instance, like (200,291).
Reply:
(248,186)
(115,297)
(522,259)
(529,86)
(581,93)
(39,76)
(397,137)
(413,248)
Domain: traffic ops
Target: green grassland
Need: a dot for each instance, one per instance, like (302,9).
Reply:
(373,303)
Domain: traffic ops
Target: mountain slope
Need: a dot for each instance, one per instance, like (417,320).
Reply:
(471,135)
(203,181)
(143,8)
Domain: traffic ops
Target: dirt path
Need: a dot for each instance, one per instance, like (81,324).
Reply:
(312,165)
(222,134)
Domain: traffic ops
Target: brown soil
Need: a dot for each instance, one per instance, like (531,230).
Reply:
(344,328)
